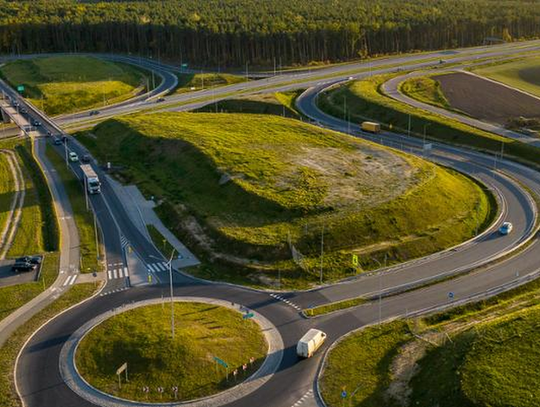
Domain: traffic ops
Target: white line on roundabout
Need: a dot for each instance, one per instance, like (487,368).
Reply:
(75,382)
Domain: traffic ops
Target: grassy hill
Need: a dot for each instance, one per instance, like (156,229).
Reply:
(188,82)
(522,74)
(253,183)
(64,84)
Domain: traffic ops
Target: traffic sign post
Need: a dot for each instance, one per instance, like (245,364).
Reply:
(119,371)
(224,364)
(450,295)
(20,88)
(248,315)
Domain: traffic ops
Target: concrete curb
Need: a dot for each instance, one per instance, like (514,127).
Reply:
(72,378)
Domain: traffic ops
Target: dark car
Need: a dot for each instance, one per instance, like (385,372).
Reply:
(57,141)
(37,123)
(49,134)
(64,139)
(94,112)
(85,158)
(161,100)
(22,266)
(29,259)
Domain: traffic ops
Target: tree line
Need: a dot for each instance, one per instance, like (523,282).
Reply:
(260,32)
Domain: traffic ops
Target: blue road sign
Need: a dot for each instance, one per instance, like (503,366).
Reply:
(343,394)
(221,362)
(450,295)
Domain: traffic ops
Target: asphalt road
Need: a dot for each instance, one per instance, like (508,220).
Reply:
(38,377)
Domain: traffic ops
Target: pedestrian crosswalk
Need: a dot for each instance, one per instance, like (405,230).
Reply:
(117,272)
(307,399)
(158,267)
(124,241)
(286,301)
(70,280)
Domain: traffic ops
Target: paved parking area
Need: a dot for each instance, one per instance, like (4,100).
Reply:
(8,277)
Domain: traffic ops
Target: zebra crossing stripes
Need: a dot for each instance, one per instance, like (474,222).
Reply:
(121,272)
(286,301)
(70,280)
(158,267)
(305,398)
(123,241)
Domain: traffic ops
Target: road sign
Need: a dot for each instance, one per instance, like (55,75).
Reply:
(343,394)
(355,260)
(184,65)
(450,295)
(248,315)
(20,88)
(121,368)
(428,147)
(221,362)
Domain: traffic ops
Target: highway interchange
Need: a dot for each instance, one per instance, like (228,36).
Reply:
(473,265)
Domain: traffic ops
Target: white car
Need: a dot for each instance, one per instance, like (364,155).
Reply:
(73,157)
(506,228)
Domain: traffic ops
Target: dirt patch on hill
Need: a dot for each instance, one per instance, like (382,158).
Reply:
(487,100)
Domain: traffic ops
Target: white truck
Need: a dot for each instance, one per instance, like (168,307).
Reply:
(310,342)
(91,180)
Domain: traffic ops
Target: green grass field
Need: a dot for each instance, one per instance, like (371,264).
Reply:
(64,84)
(189,82)
(83,218)
(10,349)
(278,104)
(160,242)
(252,181)
(365,101)
(523,74)
(142,338)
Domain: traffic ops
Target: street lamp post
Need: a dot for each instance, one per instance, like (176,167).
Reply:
(380,284)
(171,289)
(424,139)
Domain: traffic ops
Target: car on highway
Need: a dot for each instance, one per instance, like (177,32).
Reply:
(57,141)
(94,112)
(49,134)
(506,228)
(37,123)
(22,266)
(160,100)
(29,259)
(310,342)
(73,157)
(85,158)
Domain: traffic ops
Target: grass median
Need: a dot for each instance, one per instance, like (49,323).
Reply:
(83,217)
(142,339)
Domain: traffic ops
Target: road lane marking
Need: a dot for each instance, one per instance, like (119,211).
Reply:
(115,274)
(110,274)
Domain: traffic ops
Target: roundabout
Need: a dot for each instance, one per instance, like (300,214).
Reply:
(219,351)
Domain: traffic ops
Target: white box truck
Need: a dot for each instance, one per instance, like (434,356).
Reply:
(310,342)
(372,127)
(91,180)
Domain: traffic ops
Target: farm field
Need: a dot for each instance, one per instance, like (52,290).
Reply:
(142,338)
(65,84)
(486,100)
(477,355)
(523,74)
(253,185)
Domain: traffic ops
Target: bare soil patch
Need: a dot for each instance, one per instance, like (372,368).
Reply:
(487,100)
